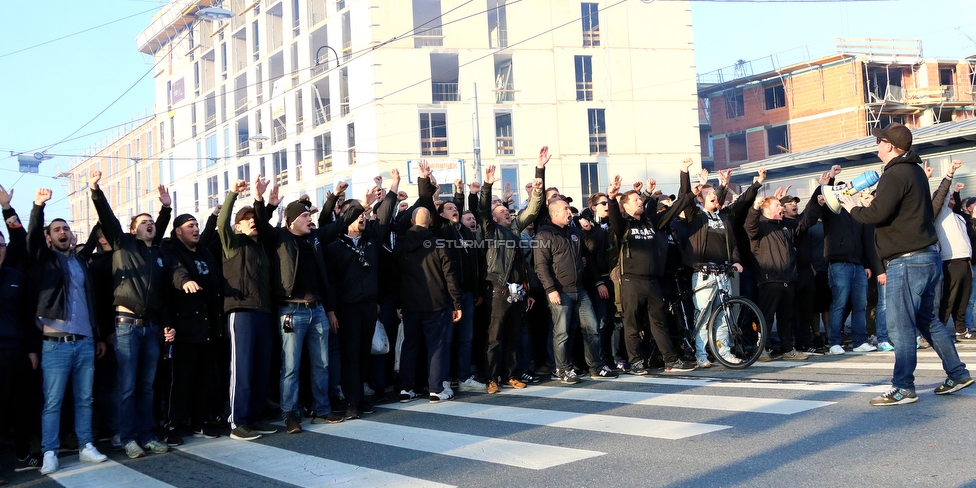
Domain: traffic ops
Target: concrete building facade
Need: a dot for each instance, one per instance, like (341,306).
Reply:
(313,92)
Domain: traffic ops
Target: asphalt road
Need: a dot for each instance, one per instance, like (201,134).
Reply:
(802,423)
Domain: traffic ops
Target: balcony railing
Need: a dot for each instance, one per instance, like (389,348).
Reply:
(280,133)
(591,37)
(240,106)
(433,146)
(433,36)
(322,116)
(324,165)
(243,148)
(316,13)
(598,143)
(504,146)
(211,121)
(444,92)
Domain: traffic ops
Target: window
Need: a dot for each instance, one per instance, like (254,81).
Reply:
(433,134)
(255,40)
(149,186)
(128,188)
(196,197)
(343,92)
(172,131)
(227,143)
(193,120)
(598,130)
(775,97)
(226,180)
(223,59)
(346,37)
(212,150)
(734,104)
(589,179)
(280,161)
(162,143)
(199,156)
(777,140)
(295,18)
(243,173)
(444,77)
(320,101)
(584,77)
(323,153)
(510,178)
(591,24)
(298,162)
(212,191)
(497,24)
(427,30)
(504,137)
(149,143)
(947,77)
(738,149)
(504,82)
(351,141)
(299,112)
(172,170)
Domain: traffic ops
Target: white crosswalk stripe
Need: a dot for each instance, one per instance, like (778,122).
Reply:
(293,467)
(108,473)
(661,429)
(478,448)
(680,400)
(556,415)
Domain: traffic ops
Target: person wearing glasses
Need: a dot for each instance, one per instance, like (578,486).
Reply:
(141,309)
(906,240)
(593,220)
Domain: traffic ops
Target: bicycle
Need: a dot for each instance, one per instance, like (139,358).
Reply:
(742,338)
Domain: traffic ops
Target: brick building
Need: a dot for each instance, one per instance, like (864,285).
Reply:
(828,100)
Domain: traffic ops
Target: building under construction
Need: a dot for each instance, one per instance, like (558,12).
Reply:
(749,116)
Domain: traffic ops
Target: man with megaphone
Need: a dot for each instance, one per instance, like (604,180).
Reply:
(906,240)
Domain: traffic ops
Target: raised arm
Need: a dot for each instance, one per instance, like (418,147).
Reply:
(111,228)
(165,214)
(616,219)
(531,213)
(17,235)
(36,243)
(228,237)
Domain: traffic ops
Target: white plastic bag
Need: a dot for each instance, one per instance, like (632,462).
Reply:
(381,343)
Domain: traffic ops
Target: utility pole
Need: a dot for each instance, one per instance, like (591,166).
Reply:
(477,137)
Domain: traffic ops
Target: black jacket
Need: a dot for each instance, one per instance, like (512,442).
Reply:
(47,276)
(140,275)
(644,241)
(504,248)
(902,208)
(285,258)
(559,257)
(772,242)
(196,316)
(845,239)
(16,328)
(16,241)
(693,250)
(246,267)
(353,281)
(426,275)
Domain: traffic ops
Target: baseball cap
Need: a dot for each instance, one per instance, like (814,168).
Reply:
(239,216)
(789,199)
(898,135)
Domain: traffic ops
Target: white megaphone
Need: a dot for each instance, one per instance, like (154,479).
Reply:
(832,194)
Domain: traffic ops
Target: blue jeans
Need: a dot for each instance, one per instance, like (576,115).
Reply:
(881,317)
(848,283)
(911,298)
(137,352)
(463,335)
(309,325)
(575,310)
(702,299)
(971,308)
(59,361)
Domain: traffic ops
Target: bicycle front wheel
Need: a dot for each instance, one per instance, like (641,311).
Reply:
(737,333)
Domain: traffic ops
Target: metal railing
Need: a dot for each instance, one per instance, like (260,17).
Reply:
(504,146)
(322,116)
(243,148)
(444,92)
(280,133)
(324,165)
(433,36)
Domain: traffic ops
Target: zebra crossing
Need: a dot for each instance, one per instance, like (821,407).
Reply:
(652,403)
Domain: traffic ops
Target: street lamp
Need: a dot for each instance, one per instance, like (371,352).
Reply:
(318,59)
(29,163)
(214,13)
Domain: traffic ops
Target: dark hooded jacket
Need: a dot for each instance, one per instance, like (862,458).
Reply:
(426,275)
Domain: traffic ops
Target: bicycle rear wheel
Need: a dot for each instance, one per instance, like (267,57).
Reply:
(742,338)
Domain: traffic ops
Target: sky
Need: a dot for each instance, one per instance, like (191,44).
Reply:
(51,91)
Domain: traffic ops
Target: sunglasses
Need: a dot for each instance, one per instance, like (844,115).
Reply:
(602,203)
(881,139)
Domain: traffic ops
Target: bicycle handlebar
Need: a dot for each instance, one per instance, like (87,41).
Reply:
(718,269)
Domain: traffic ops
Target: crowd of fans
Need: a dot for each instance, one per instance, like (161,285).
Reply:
(137,339)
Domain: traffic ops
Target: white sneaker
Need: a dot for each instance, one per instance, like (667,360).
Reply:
(447,388)
(866,347)
(367,390)
(91,455)
(472,385)
(836,350)
(50,464)
(731,359)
